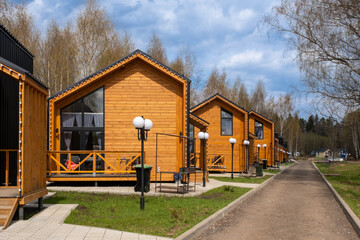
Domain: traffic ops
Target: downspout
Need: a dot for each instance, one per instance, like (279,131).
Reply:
(188,124)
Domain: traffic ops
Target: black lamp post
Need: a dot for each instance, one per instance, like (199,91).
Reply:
(258,155)
(232,141)
(203,136)
(143,126)
(246,143)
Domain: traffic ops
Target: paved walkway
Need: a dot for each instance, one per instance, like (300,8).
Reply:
(297,205)
(49,223)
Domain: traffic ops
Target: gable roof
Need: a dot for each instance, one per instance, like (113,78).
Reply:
(16,71)
(199,120)
(17,42)
(261,116)
(116,65)
(220,97)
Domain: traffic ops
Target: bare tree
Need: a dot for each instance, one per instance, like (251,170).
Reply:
(258,98)
(326,36)
(282,107)
(216,83)
(156,50)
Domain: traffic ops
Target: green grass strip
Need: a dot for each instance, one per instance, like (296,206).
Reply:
(163,216)
(243,179)
(347,183)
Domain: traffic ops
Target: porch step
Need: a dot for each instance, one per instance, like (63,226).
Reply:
(8,207)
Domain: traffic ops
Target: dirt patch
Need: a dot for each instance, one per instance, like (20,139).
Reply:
(212,196)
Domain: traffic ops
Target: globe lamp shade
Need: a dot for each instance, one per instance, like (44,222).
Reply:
(138,122)
(148,124)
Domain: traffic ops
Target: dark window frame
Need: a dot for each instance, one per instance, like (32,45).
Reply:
(223,118)
(83,129)
(262,129)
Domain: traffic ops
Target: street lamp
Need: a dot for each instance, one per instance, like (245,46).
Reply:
(143,126)
(203,136)
(258,147)
(264,146)
(232,141)
(247,143)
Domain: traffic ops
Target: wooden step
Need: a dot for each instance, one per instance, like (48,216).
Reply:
(8,208)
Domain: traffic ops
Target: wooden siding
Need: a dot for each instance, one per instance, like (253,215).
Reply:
(268,139)
(218,144)
(33,149)
(136,89)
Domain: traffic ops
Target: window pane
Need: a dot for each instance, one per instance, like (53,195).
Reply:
(94,109)
(71,115)
(93,140)
(225,114)
(259,132)
(226,127)
(226,123)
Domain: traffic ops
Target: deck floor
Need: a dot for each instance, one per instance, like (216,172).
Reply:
(9,192)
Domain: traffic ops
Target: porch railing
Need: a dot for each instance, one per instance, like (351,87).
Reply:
(7,163)
(117,162)
(216,161)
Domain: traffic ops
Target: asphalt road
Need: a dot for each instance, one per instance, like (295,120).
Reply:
(296,205)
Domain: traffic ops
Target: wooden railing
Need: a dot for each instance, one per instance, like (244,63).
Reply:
(118,162)
(216,163)
(194,160)
(7,163)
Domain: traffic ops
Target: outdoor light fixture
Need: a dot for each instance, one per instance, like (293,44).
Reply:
(232,142)
(247,143)
(203,136)
(258,155)
(143,126)
(264,146)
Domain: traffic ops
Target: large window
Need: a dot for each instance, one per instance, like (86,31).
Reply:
(259,130)
(82,123)
(226,123)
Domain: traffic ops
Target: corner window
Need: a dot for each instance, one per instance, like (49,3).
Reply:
(226,123)
(259,130)
(82,123)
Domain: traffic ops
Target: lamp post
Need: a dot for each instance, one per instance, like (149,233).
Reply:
(264,146)
(258,155)
(246,143)
(143,126)
(203,136)
(232,141)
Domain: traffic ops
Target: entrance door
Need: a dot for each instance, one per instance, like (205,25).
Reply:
(9,131)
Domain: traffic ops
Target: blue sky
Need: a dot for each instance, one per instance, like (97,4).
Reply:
(223,34)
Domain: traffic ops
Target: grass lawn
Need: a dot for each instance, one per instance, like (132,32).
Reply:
(272,170)
(347,184)
(163,216)
(243,179)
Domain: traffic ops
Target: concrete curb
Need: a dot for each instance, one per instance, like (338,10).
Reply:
(203,225)
(353,219)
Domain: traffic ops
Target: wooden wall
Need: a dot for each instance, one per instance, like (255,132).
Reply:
(219,144)
(140,90)
(268,137)
(34,134)
(137,89)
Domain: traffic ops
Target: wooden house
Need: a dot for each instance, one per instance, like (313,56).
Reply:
(263,130)
(22,129)
(91,136)
(226,120)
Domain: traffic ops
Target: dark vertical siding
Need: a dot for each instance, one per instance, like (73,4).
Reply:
(9,124)
(13,52)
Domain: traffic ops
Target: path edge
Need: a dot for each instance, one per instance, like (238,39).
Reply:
(349,213)
(203,225)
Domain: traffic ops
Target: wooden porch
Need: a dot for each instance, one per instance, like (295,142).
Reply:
(92,165)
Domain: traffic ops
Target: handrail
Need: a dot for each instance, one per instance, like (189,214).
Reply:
(120,167)
(7,165)
(215,163)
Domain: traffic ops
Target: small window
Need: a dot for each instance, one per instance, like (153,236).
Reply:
(259,130)
(191,139)
(226,123)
